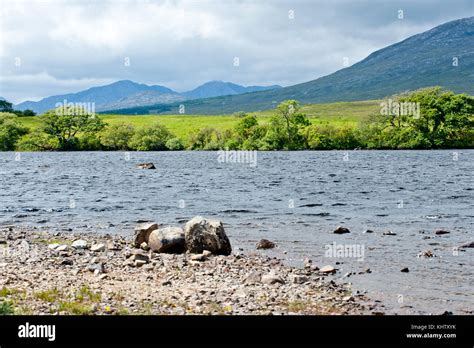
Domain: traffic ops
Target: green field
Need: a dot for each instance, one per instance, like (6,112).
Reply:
(336,114)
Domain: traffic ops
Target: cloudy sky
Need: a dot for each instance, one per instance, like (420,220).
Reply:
(53,47)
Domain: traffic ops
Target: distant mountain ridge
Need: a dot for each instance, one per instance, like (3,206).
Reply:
(127,94)
(442,56)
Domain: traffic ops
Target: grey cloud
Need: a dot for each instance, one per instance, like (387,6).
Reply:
(66,46)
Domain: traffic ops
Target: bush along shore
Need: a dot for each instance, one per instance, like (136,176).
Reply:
(429,118)
(160,270)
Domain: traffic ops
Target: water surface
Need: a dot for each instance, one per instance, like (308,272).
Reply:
(293,198)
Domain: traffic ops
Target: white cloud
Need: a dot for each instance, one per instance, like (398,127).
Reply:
(65,45)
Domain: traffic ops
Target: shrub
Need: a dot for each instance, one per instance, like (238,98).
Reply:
(151,138)
(175,144)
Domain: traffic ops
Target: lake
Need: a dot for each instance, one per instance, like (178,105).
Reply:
(296,199)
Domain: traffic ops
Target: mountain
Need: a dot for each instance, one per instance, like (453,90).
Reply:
(102,95)
(422,60)
(129,94)
(220,88)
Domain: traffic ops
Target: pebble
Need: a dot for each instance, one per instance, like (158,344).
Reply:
(98,247)
(79,244)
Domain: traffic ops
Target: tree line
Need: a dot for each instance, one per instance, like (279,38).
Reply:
(424,119)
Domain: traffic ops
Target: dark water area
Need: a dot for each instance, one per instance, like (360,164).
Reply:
(295,199)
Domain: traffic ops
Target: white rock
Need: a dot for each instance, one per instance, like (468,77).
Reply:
(53,246)
(62,247)
(79,244)
(327,269)
(98,247)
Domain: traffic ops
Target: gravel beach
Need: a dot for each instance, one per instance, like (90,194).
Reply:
(66,273)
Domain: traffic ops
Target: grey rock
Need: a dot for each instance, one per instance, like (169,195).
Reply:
(53,246)
(79,244)
(405,270)
(140,257)
(67,262)
(272,278)
(167,240)
(265,244)
(62,247)
(299,279)
(389,233)
(426,254)
(98,247)
(341,230)
(327,269)
(467,245)
(440,232)
(148,165)
(142,232)
(96,268)
(253,277)
(202,234)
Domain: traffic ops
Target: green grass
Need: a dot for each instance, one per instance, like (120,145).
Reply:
(336,114)
(6,308)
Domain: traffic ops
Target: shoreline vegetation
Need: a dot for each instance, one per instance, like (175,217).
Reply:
(85,274)
(429,118)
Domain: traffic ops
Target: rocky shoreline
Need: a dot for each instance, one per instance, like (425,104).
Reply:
(67,273)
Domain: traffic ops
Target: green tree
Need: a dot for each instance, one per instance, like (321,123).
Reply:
(175,144)
(445,119)
(11,130)
(287,126)
(117,136)
(151,138)
(67,123)
(6,106)
(38,141)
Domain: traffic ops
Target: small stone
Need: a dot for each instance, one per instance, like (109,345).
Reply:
(53,246)
(166,282)
(405,270)
(148,165)
(271,278)
(341,230)
(198,257)
(253,277)
(327,269)
(467,245)
(144,246)
(426,254)
(440,232)
(307,263)
(368,231)
(79,244)
(140,257)
(265,244)
(139,263)
(67,262)
(111,245)
(206,253)
(348,298)
(98,247)
(97,268)
(389,233)
(298,279)
(62,247)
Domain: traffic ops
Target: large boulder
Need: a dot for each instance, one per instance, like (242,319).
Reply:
(142,232)
(201,234)
(167,240)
